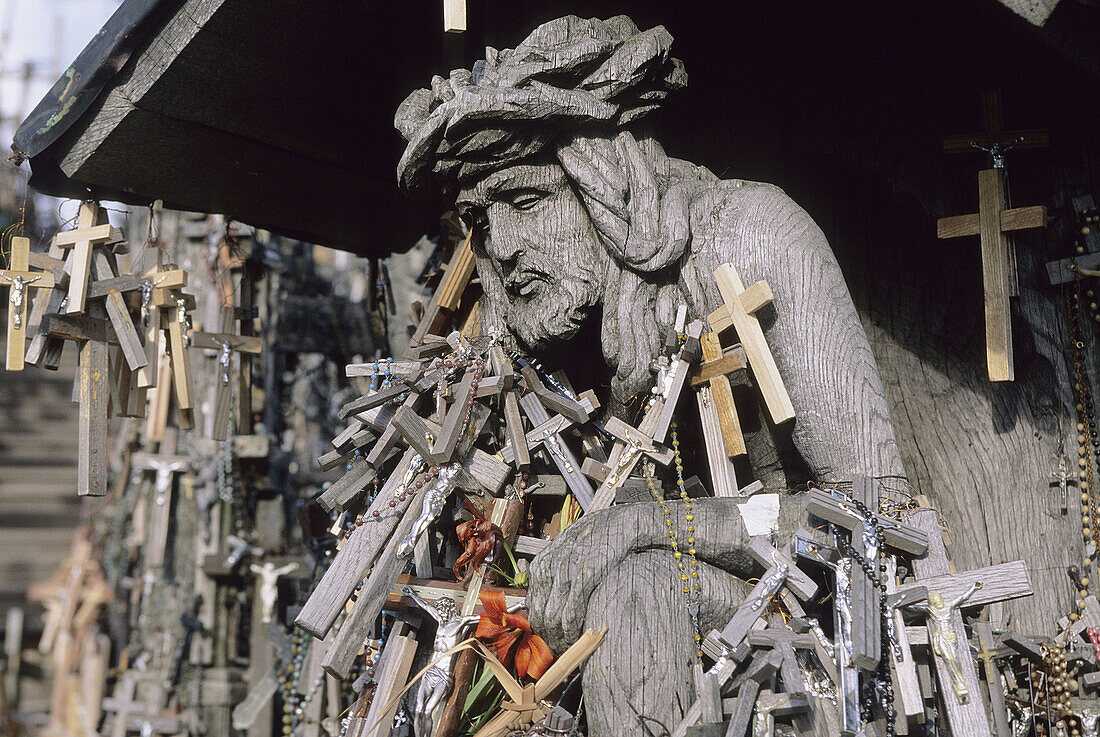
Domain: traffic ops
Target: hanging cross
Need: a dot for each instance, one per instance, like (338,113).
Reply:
(995,140)
(226,343)
(992,223)
(717,412)
(165,464)
(88,234)
(19,278)
(172,306)
(739,311)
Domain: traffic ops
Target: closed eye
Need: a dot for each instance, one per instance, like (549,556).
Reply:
(522,199)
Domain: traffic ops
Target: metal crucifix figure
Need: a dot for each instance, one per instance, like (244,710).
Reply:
(18,287)
(943,637)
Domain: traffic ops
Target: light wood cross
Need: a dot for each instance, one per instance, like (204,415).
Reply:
(19,279)
(717,412)
(992,223)
(226,343)
(88,234)
(165,464)
(738,311)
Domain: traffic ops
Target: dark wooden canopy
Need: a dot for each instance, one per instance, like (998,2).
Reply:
(280,113)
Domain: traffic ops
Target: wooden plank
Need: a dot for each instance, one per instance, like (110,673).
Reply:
(458,274)
(999,583)
(125,331)
(372,597)
(722,395)
(358,554)
(513,426)
(414,431)
(958,226)
(91,479)
(995,277)
(756,348)
(1024,218)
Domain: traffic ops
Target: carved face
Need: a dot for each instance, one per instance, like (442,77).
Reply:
(538,253)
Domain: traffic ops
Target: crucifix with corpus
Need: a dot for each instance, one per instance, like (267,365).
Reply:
(89,234)
(19,279)
(992,223)
(226,343)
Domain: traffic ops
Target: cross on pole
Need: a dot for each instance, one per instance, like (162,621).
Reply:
(88,234)
(226,343)
(19,278)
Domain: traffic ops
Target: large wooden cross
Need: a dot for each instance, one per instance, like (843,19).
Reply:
(19,278)
(226,343)
(993,221)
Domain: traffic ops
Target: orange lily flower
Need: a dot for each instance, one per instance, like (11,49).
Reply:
(510,637)
(479,538)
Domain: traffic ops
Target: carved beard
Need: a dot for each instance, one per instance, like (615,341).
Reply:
(555,313)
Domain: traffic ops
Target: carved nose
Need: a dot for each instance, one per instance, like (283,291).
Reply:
(505,252)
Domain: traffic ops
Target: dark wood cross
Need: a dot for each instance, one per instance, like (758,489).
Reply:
(19,278)
(226,343)
(993,221)
(786,642)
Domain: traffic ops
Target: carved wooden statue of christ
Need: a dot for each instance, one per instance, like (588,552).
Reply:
(580,216)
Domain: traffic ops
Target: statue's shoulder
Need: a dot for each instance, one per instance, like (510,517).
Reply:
(731,204)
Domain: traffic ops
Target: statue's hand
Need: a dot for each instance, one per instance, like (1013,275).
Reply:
(567,571)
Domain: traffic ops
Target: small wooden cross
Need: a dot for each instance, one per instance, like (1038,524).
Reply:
(88,234)
(651,432)
(165,464)
(738,311)
(718,414)
(226,343)
(19,277)
(786,642)
(987,654)
(172,306)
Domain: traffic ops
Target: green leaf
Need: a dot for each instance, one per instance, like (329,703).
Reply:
(482,701)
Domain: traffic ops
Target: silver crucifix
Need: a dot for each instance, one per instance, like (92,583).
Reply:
(18,286)
(434,500)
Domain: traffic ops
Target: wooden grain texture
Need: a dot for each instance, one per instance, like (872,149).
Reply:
(125,331)
(459,271)
(969,718)
(91,479)
(355,558)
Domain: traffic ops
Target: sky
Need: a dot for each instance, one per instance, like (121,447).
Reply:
(39,39)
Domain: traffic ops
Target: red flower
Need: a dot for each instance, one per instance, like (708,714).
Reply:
(479,537)
(510,637)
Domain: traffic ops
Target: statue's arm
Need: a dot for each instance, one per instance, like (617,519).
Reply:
(420,602)
(566,573)
(964,596)
(842,425)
